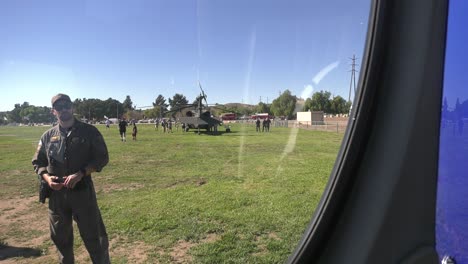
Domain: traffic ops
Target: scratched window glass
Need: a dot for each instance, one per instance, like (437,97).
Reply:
(239,107)
(451,224)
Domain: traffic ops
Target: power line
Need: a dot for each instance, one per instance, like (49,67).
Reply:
(353,71)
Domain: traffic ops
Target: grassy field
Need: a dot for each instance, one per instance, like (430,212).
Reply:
(240,197)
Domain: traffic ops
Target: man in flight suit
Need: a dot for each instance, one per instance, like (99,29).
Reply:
(66,156)
(123,129)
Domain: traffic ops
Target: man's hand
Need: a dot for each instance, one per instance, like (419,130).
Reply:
(54,185)
(72,180)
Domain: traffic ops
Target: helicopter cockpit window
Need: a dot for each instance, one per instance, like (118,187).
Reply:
(241,107)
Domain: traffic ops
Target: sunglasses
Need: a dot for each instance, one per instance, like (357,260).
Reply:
(61,107)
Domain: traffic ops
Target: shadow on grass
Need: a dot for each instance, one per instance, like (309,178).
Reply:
(212,133)
(7,252)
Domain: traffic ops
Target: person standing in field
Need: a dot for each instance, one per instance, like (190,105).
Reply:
(169,126)
(257,125)
(107,123)
(163,124)
(123,129)
(134,131)
(66,156)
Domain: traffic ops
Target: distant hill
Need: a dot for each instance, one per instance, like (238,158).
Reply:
(299,105)
(240,105)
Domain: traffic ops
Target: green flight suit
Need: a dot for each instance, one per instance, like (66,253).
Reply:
(61,153)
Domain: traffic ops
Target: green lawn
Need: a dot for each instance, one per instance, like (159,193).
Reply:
(240,197)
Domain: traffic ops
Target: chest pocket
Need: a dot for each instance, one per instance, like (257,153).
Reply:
(79,145)
(55,151)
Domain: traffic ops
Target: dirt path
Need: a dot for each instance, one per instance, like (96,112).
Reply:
(24,239)
(24,236)
(24,232)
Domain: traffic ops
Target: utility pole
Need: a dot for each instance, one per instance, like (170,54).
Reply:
(353,77)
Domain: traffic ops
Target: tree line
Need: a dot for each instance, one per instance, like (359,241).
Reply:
(323,101)
(97,110)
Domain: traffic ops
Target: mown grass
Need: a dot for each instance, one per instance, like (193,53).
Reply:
(240,188)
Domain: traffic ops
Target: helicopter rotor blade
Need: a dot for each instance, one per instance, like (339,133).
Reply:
(203,93)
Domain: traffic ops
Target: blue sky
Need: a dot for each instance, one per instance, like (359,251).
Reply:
(456,57)
(240,50)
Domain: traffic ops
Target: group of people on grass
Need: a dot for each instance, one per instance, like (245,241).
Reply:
(123,129)
(165,124)
(265,125)
(168,124)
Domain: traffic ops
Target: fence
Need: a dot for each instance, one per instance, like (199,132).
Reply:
(331,126)
(327,125)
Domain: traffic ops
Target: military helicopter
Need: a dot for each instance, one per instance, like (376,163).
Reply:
(199,118)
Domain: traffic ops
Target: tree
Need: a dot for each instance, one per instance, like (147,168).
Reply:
(160,101)
(96,109)
(262,108)
(26,113)
(44,115)
(338,105)
(3,118)
(321,101)
(88,108)
(151,113)
(29,114)
(39,114)
(128,104)
(284,105)
(247,111)
(14,115)
(112,107)
(445,105)
(177,101)
(160,105)
(307,105)
(135,115)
